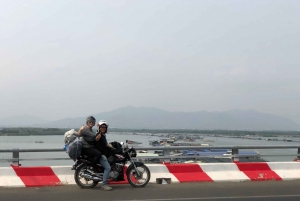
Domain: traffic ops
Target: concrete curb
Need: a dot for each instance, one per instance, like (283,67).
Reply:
(175,173)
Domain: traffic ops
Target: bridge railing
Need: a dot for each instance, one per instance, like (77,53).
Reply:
(166,151)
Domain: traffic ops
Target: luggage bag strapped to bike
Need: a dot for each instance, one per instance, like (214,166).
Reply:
(117,146)
(74,149)
(73,144)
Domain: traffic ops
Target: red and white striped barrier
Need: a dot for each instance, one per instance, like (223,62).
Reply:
(204,172)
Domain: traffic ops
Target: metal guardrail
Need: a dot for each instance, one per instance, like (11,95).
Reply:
(166,152)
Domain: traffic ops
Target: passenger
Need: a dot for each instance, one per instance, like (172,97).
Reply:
(101,145)
(88,147)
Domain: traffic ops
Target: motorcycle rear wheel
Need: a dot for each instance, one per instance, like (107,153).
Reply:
(81,181)
(138,181)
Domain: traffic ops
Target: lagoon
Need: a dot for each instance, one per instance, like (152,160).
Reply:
(56,141)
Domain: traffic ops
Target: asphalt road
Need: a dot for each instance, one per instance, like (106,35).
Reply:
(237,191)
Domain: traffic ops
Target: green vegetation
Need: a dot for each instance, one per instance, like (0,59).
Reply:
(32,131)
(21,131)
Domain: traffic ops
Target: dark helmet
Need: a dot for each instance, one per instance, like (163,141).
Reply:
(90,119)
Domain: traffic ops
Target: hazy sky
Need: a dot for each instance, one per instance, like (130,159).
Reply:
(72,58)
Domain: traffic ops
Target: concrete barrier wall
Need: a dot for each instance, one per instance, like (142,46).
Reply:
(8,178)
(286,171)
(177,173)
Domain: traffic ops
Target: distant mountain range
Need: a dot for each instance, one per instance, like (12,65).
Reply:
(153,118)
(22,121)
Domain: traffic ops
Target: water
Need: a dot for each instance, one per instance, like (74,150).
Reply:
(50,142)
(55,142)
(263,142)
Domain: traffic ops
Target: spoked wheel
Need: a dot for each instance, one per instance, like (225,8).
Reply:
(139,179)
(81,181)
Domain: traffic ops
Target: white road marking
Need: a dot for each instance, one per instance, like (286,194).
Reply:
(214,198)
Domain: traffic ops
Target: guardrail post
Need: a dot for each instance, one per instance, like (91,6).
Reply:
(15,160)
(166,152)
(235,152)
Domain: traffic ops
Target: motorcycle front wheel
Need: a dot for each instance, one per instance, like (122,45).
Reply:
(139,179)
(81,181)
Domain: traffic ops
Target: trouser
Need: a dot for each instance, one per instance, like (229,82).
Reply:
(92,153)
(106,166)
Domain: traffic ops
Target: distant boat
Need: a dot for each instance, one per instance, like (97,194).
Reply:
(220,153)
(154,143)
(189,140)
(39,142)
(169,140)
(133,142)
(207,140)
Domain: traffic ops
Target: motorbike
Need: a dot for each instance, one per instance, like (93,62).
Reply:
(137,173)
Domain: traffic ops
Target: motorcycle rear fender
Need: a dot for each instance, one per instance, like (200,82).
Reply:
(137,164)
(79,165)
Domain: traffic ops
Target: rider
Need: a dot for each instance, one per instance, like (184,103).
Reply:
(101,145)
(88,138)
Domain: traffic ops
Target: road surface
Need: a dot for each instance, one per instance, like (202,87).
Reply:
(211,191)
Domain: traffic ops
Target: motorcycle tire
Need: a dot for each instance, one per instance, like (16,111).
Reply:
(81,181)
(138,181)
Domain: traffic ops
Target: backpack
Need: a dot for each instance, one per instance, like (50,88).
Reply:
(117,146)
(74,148)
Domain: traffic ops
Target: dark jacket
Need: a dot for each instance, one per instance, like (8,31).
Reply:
(101,144)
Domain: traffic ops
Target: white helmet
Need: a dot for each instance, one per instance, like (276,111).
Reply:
(101,122)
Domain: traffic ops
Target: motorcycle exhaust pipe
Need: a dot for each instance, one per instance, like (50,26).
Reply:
(96,179)
(87,176)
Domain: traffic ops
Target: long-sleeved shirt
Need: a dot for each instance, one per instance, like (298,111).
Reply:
(88,137)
